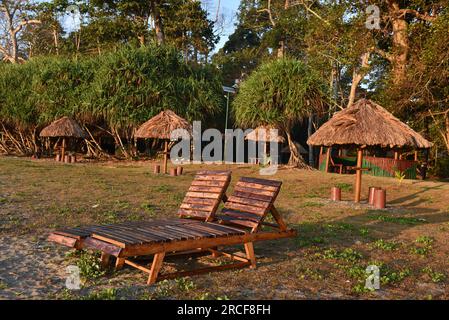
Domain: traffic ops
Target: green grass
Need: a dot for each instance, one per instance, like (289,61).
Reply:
(385,245)
(399,220)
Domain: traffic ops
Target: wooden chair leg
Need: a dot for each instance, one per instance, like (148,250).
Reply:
(216,254)
(249,248)
(105,259)
(119,263)
(156,267)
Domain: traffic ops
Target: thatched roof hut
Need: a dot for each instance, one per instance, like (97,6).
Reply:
(161,126)
(366,123)
(65,127)
(263,133)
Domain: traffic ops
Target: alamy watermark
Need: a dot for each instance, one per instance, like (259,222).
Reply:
(372,282)
(190,147)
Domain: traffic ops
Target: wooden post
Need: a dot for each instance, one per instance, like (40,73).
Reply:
(63,149)
(249,248)
(396,155)
(416,155)
(328,158)
(156,267)
(165,156)
(321,150)
(358,176)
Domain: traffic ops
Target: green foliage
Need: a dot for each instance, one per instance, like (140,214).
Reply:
(120,89)
(385,245)
(89,265)
(348,254)
(185,284)
(441,168)
(435,276)
(106,294)
(280,92)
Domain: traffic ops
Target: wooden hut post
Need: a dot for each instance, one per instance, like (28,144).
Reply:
(358,176)
(165,156)
(328,158)
(63,148)
(416,155)
(396,155)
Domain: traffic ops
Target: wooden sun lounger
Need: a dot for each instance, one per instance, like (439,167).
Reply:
(239,222)
(207,190)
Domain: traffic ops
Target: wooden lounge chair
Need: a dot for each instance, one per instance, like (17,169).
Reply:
(212,184)
(240,222)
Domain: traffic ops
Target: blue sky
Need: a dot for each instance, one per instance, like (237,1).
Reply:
(228,8)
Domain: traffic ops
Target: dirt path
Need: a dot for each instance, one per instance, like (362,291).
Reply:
(30,268)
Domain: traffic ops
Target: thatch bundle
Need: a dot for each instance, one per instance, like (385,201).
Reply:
(65,127)
(366,123)
(262,133)
(162,125)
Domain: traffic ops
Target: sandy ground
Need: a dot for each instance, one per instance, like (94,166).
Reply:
(35,200)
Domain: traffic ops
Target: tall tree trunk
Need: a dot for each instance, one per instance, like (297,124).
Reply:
(158,25)
(296,159)
(401,46)
(309,133)
(357,76)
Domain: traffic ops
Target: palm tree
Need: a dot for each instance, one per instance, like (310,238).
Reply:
(280,93)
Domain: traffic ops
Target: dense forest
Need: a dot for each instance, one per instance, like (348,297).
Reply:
(123,61)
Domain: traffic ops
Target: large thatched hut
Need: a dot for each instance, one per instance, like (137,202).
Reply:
(367,126)
(160,127)
(64,128)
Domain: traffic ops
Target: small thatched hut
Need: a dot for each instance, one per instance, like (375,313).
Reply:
(263,133)
(366,124)
(161,127)
(64,128)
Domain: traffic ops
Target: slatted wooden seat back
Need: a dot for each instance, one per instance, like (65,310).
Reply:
(204,195)
(250,202)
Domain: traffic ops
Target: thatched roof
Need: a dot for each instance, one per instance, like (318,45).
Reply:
(64,127)
(162,125)
(262,133)
(366,123)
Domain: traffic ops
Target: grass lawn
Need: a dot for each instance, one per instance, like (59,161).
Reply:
(327,260)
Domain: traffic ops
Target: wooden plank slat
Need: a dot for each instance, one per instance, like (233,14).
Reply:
(200,201)
(206,189)
(247,195)
(211,178)
(215,172)
(105,247)
(246,208)
(203,195)
(241,222)
(249,201)
(242,215)
(193,213)
(209,183)
(273,183)
(257,186)
(199,207)
(242,188)
(61,239)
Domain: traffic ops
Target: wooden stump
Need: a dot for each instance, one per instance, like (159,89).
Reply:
(335,194)
(173,172)
(179,170)
(73,159)
(371,191)
(67,158)
(58,157)
(156,169)
(380,198)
